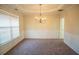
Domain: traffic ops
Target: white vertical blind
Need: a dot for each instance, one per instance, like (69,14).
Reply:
(5,35)
(15,32)
(4,20)
(14,21)
(15,27)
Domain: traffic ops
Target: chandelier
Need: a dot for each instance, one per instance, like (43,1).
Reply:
(40,19)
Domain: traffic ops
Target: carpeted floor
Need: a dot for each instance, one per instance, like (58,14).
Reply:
(41,47)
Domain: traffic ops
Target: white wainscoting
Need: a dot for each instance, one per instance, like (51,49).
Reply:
(42,34)
(72,41)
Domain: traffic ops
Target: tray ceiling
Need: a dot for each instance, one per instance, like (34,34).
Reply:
(34,8)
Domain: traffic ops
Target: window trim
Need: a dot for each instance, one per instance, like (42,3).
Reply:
(12,15)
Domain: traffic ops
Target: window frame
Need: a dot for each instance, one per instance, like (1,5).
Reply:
(10,15)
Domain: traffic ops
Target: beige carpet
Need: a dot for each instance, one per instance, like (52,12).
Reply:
(41,47)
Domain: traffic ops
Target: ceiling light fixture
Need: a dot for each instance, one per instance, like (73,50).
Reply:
(40,19)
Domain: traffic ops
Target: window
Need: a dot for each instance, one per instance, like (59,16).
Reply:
(15,27)
(9,27)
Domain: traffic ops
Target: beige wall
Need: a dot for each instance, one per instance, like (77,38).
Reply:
(6,47)
(72,26)
(48,29)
